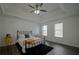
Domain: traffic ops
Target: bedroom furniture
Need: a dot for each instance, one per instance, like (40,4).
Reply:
(44,39)
(28,41)
(8,39)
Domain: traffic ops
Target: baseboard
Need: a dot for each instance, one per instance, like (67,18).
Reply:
(62,44)
(5,45)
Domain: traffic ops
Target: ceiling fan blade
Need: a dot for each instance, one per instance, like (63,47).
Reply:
(41,4)
(36,6)
(1,10)
(31,6)
(43,10)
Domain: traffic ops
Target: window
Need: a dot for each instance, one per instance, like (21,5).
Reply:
(59,30)
(44,30)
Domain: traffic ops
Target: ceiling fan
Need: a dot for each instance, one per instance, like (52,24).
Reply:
(36,8)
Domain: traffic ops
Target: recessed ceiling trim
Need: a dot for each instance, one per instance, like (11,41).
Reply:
(20,18)
(61,18)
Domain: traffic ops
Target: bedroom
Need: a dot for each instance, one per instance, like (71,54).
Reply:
(18,17)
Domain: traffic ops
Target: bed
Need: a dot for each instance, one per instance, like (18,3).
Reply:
(26,40)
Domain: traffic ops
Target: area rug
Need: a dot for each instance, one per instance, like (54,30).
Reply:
(38,50)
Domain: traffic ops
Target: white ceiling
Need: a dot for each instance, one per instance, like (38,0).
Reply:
(55,11)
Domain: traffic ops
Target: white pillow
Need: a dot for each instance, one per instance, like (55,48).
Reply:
(21,36)
(30,35)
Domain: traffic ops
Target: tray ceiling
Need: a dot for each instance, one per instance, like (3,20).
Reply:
(54,11)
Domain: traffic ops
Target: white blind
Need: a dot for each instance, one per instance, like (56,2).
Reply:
(59,30)
(44,30)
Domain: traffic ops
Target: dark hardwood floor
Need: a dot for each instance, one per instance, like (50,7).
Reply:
(9,50)
(58,49)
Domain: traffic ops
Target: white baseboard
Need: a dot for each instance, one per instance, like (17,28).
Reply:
(6,45)
(63,43)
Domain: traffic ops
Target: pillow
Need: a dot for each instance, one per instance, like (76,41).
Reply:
(27,36)
(30,35)
(21,36)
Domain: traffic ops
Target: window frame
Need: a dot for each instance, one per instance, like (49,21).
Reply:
(58,30)
(44,30)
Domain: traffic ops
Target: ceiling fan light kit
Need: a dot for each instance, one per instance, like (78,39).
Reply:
(37,9)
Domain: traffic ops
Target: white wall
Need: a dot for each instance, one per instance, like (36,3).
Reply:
(71,31)
(12,24)
(1,22)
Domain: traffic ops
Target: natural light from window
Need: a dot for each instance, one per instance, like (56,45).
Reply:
(44,30)
(59,30)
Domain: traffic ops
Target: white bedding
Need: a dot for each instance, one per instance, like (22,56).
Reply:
(37,42)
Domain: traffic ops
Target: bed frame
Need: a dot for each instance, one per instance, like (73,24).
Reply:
(25,32)
(22,32)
